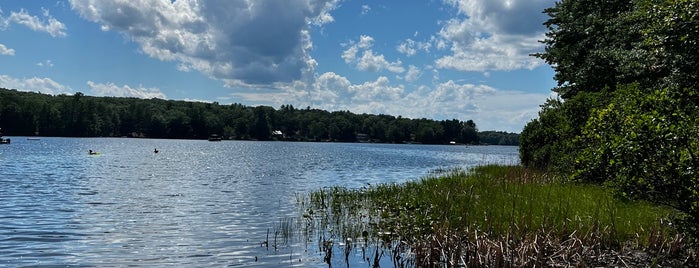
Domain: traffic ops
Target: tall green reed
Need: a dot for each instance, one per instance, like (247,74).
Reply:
(452,208)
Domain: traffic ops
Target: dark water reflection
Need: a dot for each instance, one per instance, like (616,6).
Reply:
(194,204)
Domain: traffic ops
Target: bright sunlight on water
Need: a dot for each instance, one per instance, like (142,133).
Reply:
(192,204)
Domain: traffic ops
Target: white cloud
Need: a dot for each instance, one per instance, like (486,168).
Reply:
(46,63)
(407,47)
(266,43)
(504,16)
(197,100)
(375,63)
(365,9)
(451,98)
(380,90)
(508,110)
(435,75)
(34,84)
(410,47)
(49,24)
(493,35)
(6,51)
(329,87)
(497,52)
(413,73)
(368,61)
(110,89)
(238,42)
(350,54)
(490,108)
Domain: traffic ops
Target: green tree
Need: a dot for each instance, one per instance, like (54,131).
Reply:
(261,124)
(49,121)
(590,44)
(318,131)
(179,125)
(646,146)
(671,33)
(626,73)
(469,133)
(24,113)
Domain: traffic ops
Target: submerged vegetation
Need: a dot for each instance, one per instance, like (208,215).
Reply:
(495,216)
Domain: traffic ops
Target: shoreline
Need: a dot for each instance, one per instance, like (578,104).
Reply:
(425,223)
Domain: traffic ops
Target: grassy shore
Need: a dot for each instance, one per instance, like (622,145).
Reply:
(497,216)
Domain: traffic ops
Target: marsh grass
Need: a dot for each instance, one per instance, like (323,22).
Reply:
(495,216)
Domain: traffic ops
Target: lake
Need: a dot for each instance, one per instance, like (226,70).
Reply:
(194,203)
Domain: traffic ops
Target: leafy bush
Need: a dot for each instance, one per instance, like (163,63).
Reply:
(626,70)
(548,142)
(645,145)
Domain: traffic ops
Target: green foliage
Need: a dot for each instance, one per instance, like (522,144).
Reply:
(626,70)
(547,142)
(590,44)
(671,31)
(500,201)
(498,138)
(540,137)
(645,145)
(26,113)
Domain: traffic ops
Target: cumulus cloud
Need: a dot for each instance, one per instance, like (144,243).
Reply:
(451,98)
(110,89)
(34,84)
(523,17)
(410,47)
(493,35)
(407,47)
(6,51)
(508,110)
(380,90)
(497,52)
(238,42)
(363,58)
(490,108)
(413,73)
(330,86)
(48,24)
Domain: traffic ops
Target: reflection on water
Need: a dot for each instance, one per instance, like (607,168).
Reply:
(195,203)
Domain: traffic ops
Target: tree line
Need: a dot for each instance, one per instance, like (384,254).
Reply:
(78,115)
(628,112)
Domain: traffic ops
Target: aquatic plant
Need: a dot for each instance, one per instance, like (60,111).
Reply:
(493,216)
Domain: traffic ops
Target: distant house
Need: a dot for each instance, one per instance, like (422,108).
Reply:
(278,134)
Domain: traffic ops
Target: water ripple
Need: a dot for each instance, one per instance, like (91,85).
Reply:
(194,204)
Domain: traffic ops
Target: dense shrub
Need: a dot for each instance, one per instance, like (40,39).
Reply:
(549,141)
(626,70)
(645,145)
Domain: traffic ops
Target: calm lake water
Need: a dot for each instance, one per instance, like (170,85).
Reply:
(193,204)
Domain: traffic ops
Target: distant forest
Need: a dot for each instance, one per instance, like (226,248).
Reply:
(78,115)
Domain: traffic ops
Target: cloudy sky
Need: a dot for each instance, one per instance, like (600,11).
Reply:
(436,59)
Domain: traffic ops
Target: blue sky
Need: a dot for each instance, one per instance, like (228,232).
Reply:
(436,59)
